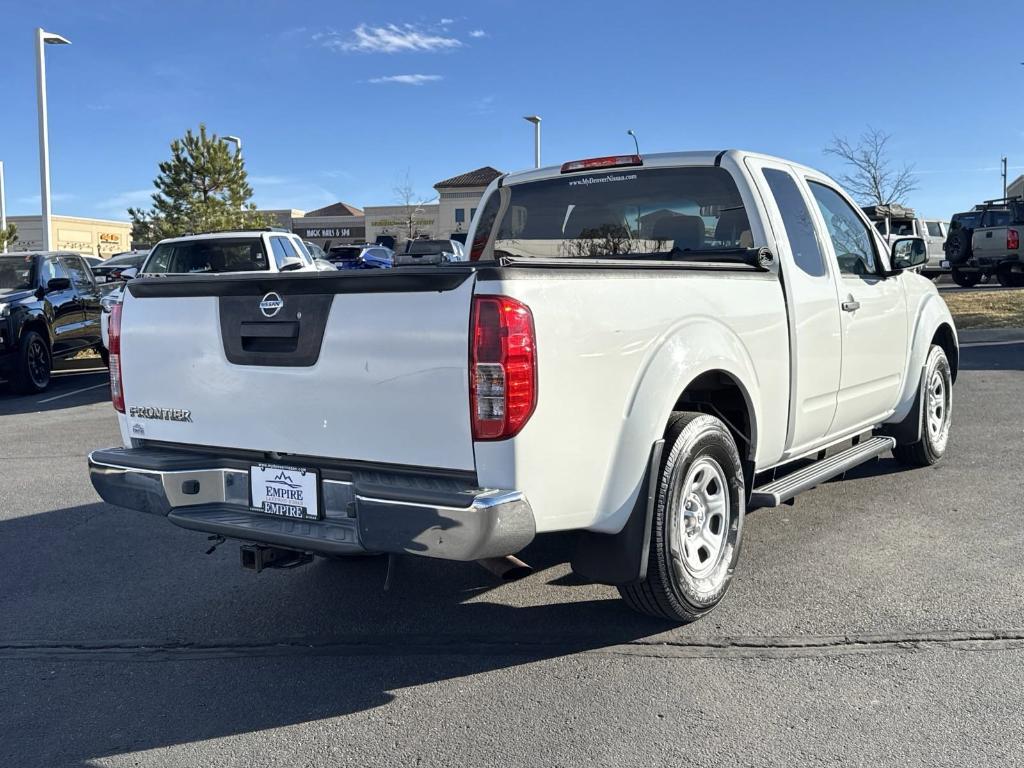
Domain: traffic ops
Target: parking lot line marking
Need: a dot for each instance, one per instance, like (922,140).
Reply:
(75,392)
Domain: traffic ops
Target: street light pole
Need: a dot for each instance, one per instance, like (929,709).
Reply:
(636,143)
(44,38)
(535,119)
(236,141)
(1004,176)
(3,207)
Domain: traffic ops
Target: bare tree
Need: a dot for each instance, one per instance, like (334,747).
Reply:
(872,179)
(405,193)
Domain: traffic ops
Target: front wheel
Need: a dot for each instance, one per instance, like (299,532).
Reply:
(697,523)
(32,373)
(935,412)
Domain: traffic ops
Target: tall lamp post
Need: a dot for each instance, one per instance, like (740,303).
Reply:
(44,38)
(236,141)
(3,207)
(636,143)
(535,119)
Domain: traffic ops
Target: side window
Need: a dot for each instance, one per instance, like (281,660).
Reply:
(280,254)
(50,268)
(934,228)
(803,240)
(158,261)
(78,272)
(851,239)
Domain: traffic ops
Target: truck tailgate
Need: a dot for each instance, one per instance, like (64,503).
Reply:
(366,366)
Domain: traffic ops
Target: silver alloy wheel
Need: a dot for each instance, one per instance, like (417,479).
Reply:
(937,403)
(704,518)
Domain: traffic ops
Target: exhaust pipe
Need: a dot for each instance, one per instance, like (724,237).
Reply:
(506,568)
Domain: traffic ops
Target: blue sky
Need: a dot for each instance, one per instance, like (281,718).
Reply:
(335,100)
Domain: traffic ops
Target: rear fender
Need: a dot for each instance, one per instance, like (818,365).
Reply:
(693,347)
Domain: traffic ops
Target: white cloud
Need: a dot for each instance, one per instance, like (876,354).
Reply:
(478,33)
(483,106)
(407,79)
(391,38)
(119,204)
(55,197)
(267,180)
(446,22)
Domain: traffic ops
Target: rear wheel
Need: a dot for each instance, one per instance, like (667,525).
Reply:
(32,373)
(697,522)
(1008,278)
(966,279)
(935,412)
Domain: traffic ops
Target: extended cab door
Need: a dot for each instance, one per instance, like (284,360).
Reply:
(874,313)
(811,301)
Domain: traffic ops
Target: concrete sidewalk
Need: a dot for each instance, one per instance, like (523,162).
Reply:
(984,335)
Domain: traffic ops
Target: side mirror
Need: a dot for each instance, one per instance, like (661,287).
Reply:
(129,273)
(907,253)
(57,284)
(290,264)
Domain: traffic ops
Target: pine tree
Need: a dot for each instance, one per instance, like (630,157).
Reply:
(203,187)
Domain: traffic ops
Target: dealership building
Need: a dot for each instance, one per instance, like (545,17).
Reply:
(345,224)
(90,237)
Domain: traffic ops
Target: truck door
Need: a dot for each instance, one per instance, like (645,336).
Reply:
(815,344)
(87,295)
(67,315)
(874,314)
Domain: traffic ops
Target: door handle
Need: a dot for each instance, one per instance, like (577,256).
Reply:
(850,305)
(988,234)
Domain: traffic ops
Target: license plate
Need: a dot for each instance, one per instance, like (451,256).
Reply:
(285,491)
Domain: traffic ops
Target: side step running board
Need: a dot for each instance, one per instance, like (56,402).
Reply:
(785,488)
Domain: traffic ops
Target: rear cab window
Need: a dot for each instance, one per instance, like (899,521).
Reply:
(223,254)
(660,214)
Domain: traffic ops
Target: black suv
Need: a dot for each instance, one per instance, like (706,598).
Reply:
(49,309)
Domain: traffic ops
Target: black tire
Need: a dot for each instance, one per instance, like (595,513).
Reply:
(931,447)
(32,371)
(1008,278)
(957,247)
(965,279)
(680,584)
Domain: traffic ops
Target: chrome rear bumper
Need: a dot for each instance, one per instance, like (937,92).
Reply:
(201,493)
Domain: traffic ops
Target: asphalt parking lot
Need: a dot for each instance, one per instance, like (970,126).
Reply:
(879,621)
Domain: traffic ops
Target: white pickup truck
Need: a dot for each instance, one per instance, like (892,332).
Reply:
(640,350)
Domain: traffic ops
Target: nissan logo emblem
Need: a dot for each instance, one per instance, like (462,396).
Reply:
(271,304)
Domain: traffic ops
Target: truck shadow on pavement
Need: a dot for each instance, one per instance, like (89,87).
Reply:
(1005,355)
(124,637)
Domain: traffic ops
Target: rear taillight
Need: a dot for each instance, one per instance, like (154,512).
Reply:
(502,367)
(1012,239)
(114,349)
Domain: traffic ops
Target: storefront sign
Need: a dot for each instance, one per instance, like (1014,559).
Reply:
(324,233)
(110,237)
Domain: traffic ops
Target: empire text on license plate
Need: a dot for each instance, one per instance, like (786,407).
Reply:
(285,491)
